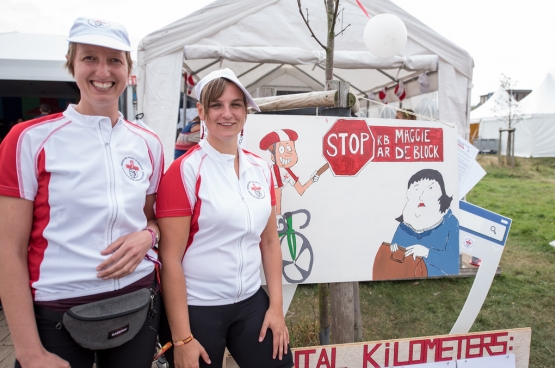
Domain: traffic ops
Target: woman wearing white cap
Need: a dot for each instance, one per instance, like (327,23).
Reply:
(76,217)
(216,210)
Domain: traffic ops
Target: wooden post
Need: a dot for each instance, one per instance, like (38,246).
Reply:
(342,312)
(499,147)
(357,313)
(302,100)
(512,139)
(324,312)
(510,153)
(325,290)
(342,298)
(342,94)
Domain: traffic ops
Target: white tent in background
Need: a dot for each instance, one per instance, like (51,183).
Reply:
(267,44)
(32,65)
(542,100)
(487,114)
(34,57)
(488,109)
(535,132)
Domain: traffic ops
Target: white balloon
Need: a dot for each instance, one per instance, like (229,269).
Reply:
(385,35)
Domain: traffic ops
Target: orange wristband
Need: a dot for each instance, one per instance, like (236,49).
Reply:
(162,350)
(184,341)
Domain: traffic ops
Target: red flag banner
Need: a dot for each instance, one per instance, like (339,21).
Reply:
(363,9)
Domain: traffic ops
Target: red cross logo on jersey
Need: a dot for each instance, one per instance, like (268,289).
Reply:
(255,189)
(131,166)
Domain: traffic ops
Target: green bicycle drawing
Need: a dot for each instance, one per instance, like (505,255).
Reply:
(298,257)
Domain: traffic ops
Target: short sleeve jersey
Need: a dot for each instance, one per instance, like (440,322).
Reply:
(228,214)
(88,182)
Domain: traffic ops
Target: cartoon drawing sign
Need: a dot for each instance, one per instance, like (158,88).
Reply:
(428,230)
(297,261)
(388,195)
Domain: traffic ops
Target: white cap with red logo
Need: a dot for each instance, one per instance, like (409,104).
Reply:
(97,32)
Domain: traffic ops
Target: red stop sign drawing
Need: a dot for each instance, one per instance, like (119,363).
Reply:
(348,146)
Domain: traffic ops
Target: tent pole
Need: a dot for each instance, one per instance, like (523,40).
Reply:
(250,70)
(264,76)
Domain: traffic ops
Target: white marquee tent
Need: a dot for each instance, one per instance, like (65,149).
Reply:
(32,65)
(267,43)
(487,110)
(485,118)
(535,131)
(25,56)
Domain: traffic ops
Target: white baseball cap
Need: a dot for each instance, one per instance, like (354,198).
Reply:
(229,75)
(98,32)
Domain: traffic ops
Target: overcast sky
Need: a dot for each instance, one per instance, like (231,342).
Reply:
(503,36)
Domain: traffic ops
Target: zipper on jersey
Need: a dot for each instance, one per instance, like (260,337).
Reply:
(112,194)
(241,261)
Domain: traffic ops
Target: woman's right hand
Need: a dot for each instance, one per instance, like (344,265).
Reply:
(44,360)
(188,355)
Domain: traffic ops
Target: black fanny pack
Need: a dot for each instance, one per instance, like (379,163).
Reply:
(107,323)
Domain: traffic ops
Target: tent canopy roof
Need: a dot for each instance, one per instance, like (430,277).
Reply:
(26,56)
(240,34)
(267,44)
(30,46)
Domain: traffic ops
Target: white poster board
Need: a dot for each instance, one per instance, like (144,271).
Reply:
(483,234)
(492,349)
(343,185)
(499,361)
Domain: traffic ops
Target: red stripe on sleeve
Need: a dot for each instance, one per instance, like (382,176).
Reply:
(172,199)
(38,244)
(9,181)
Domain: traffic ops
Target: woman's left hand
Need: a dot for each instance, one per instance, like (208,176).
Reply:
(274,321)
(127,252)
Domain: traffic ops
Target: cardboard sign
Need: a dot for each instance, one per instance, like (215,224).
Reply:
(483,235)
(430,352)
(361,199)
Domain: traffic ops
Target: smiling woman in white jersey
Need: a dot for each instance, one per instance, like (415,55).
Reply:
(216,210)
(77,222)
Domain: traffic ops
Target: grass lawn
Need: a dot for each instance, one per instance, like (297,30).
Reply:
(522,296)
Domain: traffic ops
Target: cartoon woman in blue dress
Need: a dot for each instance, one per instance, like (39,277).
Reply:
(428,228)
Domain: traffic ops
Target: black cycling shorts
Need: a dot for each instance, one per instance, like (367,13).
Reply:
(235,326)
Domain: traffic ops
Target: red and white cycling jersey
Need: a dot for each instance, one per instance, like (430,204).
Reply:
(228,214)
(88,182)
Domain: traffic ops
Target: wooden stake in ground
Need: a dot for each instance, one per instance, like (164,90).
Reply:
(342,312)
(342,299)
(342,308)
